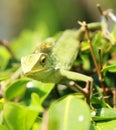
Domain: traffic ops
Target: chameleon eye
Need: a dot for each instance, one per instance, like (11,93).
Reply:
(43,60)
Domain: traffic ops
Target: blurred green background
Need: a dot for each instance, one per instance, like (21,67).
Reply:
(54,15)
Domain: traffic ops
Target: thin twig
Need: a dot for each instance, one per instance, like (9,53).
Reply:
(99,8)
(92,51)
(100,58)
(103,13)
(86,91)
(94,58)
(114,98)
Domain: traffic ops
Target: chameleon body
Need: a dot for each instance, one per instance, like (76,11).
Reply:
(53,59)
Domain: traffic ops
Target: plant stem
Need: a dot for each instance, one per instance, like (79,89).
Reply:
(92,51)
(100,58)
(103,13)
(86,91)
(94,58)
(114,98)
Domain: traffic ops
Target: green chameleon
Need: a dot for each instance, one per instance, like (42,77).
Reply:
(53,59)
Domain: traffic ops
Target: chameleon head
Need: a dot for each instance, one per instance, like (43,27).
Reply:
(35,63)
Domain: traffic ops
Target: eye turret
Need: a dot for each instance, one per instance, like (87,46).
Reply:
(43,59)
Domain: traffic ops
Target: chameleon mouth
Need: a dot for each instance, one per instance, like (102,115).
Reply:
(32,72)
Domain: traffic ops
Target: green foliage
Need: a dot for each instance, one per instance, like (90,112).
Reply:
(109,125)
(69,113)
(16,92)
(105,114)
(17,117)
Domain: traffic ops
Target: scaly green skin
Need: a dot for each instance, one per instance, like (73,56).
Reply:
(52,60)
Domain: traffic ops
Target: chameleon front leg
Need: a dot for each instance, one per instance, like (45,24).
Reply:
(79,77)
(75,76)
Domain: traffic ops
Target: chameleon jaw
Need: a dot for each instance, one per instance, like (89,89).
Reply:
(31,72)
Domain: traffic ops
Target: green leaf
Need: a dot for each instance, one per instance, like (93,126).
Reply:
(69,113)
(4,75)
(42,89)
(100,42)
(35,102)
(16,89)
(45,88)
(113,33)
(110,68)
(18,117)
(4,57)
(109,125)
(105,114)
(86,62)
(37,124)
